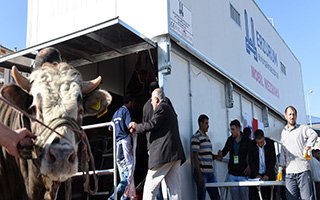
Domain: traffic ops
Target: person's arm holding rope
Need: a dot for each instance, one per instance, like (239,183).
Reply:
(12,139)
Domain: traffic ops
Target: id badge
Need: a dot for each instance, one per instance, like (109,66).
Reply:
(236,159)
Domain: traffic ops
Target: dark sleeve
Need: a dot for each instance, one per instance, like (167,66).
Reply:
(271,167)
(147,111)
(168,101)
(251,162)
(155,122)
(226,147)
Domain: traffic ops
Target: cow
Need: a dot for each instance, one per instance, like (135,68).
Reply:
(57,99)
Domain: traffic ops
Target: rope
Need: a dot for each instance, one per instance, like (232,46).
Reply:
(44,135)
(85,160)
(16,108)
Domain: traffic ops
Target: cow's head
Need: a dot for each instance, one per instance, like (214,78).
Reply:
(55,92)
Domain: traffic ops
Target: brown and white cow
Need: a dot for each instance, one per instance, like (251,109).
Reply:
(51,93)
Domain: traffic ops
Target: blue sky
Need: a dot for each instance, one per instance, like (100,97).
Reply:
(13,23)
(296,21)
(298,24)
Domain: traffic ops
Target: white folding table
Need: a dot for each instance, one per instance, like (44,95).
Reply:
(258,184)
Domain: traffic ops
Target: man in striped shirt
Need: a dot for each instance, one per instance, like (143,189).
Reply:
(202,160)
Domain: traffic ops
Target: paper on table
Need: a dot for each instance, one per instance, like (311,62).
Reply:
(254,179)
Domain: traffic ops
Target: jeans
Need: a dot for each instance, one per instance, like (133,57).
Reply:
(123,173)
(238,193)
(125,151)
(125,165)
(201,189)
(299,186)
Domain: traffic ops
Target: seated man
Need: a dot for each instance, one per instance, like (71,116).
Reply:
(262,160)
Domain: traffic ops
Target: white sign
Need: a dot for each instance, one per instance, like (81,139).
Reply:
(181,20)
(241,43)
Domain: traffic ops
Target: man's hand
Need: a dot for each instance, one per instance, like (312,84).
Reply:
(219,156)
(214,156)
(20,143)
(200,181)
(265,178)
(132,127)
(247,171)
(307,148)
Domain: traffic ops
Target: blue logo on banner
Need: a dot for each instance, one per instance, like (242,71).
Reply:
(250,40)
(254,41)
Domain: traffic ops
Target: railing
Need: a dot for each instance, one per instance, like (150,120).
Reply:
(106,171)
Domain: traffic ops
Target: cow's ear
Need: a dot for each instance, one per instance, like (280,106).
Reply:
(96,103)
(17,96)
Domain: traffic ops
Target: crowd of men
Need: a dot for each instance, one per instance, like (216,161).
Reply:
(247,158)
(257,159)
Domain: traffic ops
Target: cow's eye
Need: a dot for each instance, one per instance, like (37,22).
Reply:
(81,111)
(79,99)
(32,110)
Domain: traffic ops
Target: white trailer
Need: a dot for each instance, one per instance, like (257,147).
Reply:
(221,58)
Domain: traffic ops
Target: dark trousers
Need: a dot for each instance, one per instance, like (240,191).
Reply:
(254,195)
(317,184)
(201,190)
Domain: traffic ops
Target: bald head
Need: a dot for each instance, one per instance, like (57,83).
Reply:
(49,54)
(157,97)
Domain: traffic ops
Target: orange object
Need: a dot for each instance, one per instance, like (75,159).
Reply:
(279,175)
(306,155)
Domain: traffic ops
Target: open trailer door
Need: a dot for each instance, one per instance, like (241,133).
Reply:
(127,62)
(100,42)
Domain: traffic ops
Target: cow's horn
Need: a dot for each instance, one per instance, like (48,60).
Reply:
(89,86)
(22,81)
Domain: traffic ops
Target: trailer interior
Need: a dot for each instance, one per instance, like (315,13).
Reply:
(127,62)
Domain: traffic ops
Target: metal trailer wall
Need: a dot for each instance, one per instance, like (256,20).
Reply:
(51,19)
(234,36)
(194,89)
(237,40)
(210,52)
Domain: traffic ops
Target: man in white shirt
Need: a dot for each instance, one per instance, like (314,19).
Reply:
(296,140)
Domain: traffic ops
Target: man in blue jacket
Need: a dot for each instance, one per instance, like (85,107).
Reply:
(121,119)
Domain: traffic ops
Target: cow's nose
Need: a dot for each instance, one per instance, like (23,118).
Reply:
(61,153)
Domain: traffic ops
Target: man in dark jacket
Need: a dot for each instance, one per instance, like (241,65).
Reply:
(165,148)
(237,146)
(147,115)
(262,160)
